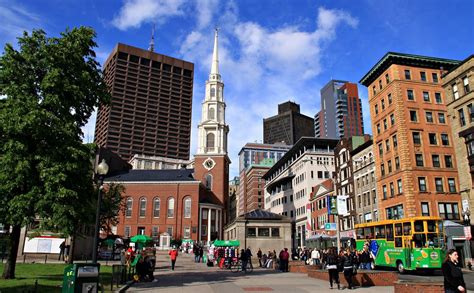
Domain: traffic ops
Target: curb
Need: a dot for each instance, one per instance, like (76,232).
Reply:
(124,287)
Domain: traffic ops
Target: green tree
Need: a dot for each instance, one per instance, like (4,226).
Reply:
(50,87)
(113,203)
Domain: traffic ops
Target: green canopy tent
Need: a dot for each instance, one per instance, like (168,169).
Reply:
(141,239)
(227,243)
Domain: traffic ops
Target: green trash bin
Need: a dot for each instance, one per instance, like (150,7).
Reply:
(81,278)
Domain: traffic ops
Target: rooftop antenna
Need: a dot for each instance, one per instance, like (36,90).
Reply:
(152,41)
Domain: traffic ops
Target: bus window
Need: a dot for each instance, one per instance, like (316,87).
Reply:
(433,240)
(398,242)
(389,230)
(420,240)
(360,233)
(398,229)
(369,232)
(431,226)
(379,232)
(406,228)
(418,226)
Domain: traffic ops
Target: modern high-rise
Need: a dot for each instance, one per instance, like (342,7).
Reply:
(254,160)
(341,111)
(415,163)
(288,126)
(150,108)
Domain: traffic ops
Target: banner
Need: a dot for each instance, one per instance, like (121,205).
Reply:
(332,205)
(342,205)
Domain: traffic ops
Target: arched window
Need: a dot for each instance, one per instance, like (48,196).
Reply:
(210,138)
(128,211)
(213,92)
(171,207)
(142,207)
(208,181)
(187,207)
(156,208)
(211,113)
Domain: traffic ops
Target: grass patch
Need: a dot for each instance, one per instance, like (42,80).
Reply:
(49,276)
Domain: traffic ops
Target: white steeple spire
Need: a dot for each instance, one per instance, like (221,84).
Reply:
(214,75)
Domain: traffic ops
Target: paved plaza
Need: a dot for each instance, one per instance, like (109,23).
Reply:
(196,278)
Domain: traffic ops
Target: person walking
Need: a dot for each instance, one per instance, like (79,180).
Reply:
(62,246)
(332,262)
(259,256)
(348,265)
(249,256)
(244,259)
(453,278)
(284,256)
(173,255)
(315,256)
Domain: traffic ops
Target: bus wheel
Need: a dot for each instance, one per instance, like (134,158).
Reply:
(400,267)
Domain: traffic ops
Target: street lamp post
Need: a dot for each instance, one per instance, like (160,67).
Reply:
(102,170)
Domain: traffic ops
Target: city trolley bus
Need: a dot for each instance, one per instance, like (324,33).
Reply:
(406,244)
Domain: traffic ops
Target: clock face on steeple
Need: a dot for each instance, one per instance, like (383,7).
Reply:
(209,164)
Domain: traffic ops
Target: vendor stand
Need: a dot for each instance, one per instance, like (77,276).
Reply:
(225,250)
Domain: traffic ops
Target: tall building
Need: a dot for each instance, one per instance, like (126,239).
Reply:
(150,109)
(233,191)
(288,126)
(458,85)
(341,111)
(254,161)
(290,181)
(414,155)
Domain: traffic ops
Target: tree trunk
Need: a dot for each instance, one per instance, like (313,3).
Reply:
(9,269)
(70,259)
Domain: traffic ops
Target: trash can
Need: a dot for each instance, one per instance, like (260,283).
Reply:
(81,278)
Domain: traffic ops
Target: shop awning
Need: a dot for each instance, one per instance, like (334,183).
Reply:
(226,243)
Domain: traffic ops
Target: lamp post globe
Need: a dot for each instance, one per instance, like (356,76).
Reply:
(102,170)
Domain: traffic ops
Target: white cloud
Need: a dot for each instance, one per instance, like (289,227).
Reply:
(205,10)
(15,20)
(135,12)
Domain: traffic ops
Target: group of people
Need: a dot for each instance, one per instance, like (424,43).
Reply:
(267,260)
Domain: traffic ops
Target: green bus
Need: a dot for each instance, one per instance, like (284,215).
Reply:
(405,244)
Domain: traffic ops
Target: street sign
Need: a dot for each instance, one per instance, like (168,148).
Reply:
(330,226)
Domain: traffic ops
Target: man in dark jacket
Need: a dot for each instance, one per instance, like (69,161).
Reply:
(348,265)
(249,256)
(284,256)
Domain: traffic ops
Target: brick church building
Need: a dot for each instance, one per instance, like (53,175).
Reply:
(184,203)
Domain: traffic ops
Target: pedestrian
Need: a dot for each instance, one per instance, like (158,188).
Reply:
(284,256)
(332,262)
(453,278)
(274,258)
(315,256)
(62,246)
(173,255)
(348,265)
(259,256)
(244,259)
(201,253)
(364,259)
(66,253)
(249,256)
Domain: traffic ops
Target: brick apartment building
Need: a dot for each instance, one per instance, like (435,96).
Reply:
(413,142)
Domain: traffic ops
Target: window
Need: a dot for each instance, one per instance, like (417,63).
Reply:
(441,118)
(470,111)
(425,209)
(171,207)
(451,185)
(465,82)
(275,232)
(384,191)
(435,77)
(387,78)
(211,114)
(142,207)
(395,141)
(213,92)
(380,84)
(387,145)
(429,117)
(455,91)
(407,74)
(423,76)
(187,207)
(397,163)
(439,184)
(416,138)
(448,161)
(376,109)
(251,232)
(208,181)
(128,211)
(380,149)
(127,231)
(378,128)
(426,96)
(187,232)
(444,139)
(156,208)
(432,138)
(435,159)
(462,119)
(389,164)
(438,98)
(169,230)
(448,211)
(210,138)
(389,97)
(400,186)
(413,116)
(383,104)
(373,90)
(422,184)
(419,160)
(382,169)
(263,232)
(392,119)
(392,190)
(410,95)
(385,126)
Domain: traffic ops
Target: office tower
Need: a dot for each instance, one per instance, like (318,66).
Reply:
(341,111)
(413,143)
(150,109)
(288,126)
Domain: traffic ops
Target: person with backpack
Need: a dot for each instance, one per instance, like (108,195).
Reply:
(332,264)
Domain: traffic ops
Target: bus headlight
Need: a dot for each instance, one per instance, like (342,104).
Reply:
(434,255)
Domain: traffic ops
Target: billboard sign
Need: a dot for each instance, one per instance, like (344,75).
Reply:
(342,205)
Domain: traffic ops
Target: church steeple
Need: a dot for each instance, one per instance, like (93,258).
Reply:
(212,129)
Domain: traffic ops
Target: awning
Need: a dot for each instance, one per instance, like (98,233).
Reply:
(226,243)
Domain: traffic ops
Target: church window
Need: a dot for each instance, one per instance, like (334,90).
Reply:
(171,207)
(213,92)
(208,181)
(187,207)
(211,113)
(210,139)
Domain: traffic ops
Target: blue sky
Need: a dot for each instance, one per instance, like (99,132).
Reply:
(270,51)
